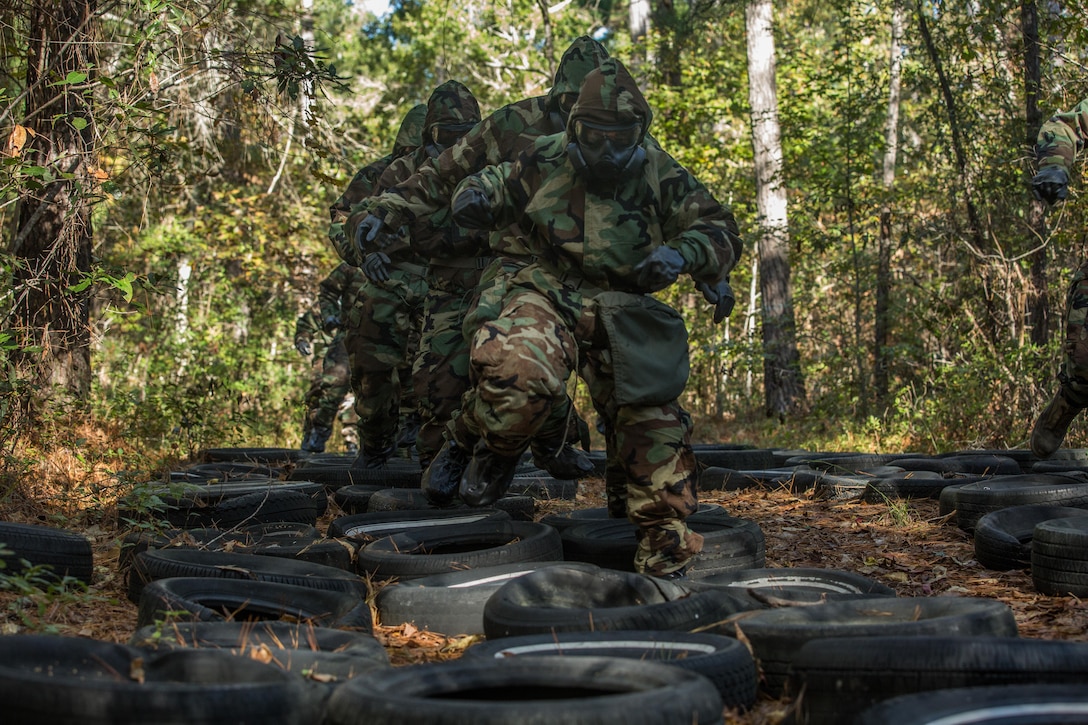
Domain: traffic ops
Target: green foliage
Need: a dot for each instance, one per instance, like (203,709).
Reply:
(39,592)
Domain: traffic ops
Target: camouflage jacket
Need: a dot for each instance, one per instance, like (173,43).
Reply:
(365,182)
(598,235)
(500,137)
(1061,136)
(340,291)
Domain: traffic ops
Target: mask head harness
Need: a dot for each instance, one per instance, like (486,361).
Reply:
(606,152)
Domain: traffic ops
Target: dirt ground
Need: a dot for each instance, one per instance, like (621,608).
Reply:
(905,545)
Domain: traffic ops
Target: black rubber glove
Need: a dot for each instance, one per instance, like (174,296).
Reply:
(330,323)
(1051,184)
(303,346)
(659,269)
(719,295)
(367,232)
(472,209)
(376,267)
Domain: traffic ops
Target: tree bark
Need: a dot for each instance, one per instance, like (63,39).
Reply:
(1038,311)
(53,240)
(882,321)
(783,384)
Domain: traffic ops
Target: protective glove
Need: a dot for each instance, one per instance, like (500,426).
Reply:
(376,267)
(659,269)
(1051,184)
(472,209)
(721,296)
(367,231)
(330,323)
(303,346)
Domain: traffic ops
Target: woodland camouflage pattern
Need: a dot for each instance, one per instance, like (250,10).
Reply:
(425,196)
(1059,139)
(582,244)
(391,319)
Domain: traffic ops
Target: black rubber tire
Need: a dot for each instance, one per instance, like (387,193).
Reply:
(193,505)
(794,479)
(997,705)
(922,484)
(265,507)
(723,660)
(208,539)
(543,487)
(77,681)
(567,519)
(206,599)
(226,471)
(422,552)
(364,528)
(1059,557)
(844,463)
(396,473)
(785,586)
(520,507)
(582,690)
(452,603)
(319,654)
(1003,538)
(948,501)
(981,464)
(776,635)
(840,681)
(562,599)
(728,543)
(737,458)
(355,498)
(251,455)
(60,552)
(975,500)
(157,564)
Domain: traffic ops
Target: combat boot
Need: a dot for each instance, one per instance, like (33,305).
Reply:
(376,456)
(562,461)
(442,477)
(409,431)
(315,441)
(1052,425)
(488,476)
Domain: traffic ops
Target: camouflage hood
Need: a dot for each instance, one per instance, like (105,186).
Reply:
(410,135)
(451,103)
(583,55)
(610,96)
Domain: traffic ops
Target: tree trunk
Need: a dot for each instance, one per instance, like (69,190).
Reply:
(882,322)
(638,19)
(783,384)
(53,238)
(1038,302)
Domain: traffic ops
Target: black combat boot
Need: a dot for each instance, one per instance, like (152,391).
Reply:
(488,476)
(315,441)
(442,477)
(561,460)
(1052,425)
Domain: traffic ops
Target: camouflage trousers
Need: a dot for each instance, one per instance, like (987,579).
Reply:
(520,363)
(1073,374)
(382,339)
(330,387)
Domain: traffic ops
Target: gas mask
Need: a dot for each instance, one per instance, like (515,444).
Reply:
(606,153)
(444,135)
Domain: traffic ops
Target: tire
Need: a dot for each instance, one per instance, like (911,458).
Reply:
(452,603)
(396,473)
(723,660)
(565,520)
(981,464)
(363,528)
(948,501)
(737,458)
(319,654)
(1003,538)
(235,470)
(777,634)
(562,599)
(208,539)
(583,690)
(204,599)
(844,463)
(519,507)
(61,553)
(840,682)
(543,487)
(193,505)
(421,552)
(166,563)
(76,681)
(265,507)
(1059,556)
(251,455)
(790,479)
(975,500)
(728,543)
(355,498)
(785,586)
(922,484)
(998,705)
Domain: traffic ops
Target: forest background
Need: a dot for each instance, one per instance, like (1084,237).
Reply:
(168,167)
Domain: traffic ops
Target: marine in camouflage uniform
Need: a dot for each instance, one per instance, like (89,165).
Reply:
(346,212)
(1056,146)
(329,395)
(499,137)
(397,280)
(613,218)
